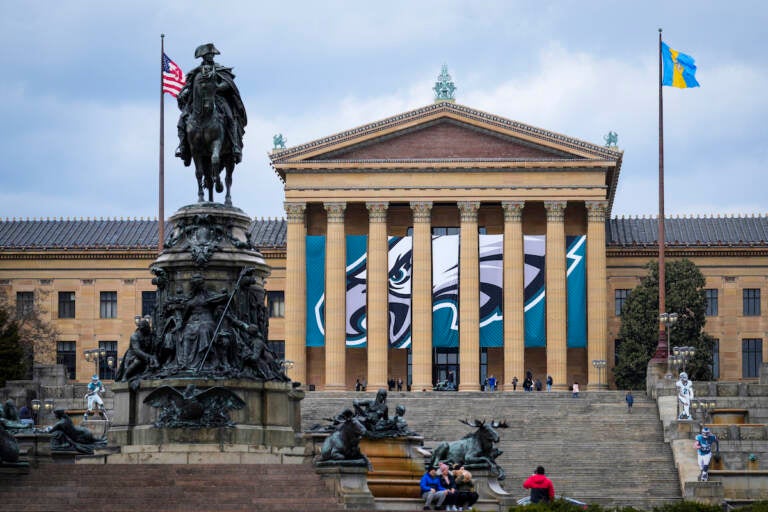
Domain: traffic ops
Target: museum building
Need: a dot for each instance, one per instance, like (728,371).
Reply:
(443,243)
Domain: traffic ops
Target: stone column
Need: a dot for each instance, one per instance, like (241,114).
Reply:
(335,299)
(296,292)
(421,296)
(377,273)
(514,293)
(597,288)
(469,298)
(557,351)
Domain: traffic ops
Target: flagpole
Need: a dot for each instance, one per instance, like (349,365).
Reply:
(662,349)
(161,192)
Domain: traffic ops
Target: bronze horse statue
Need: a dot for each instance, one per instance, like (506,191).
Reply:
(207,137)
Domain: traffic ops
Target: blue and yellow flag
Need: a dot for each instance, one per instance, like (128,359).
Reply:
(679,68)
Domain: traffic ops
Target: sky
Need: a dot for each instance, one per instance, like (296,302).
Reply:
(80,102)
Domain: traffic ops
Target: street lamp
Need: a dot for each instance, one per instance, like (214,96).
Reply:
(681,355)
(95,354)
(705,406)
(287,364)
(668,320)
(599,365)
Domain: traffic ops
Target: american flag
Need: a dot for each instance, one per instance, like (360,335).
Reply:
(173,77)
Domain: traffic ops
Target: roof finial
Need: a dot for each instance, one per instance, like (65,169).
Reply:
(444,87)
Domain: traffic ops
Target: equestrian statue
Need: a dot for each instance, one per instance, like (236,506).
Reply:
(211,124)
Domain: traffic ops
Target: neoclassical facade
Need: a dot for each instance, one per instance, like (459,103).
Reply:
(451,168)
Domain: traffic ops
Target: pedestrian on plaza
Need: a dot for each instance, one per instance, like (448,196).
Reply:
(575,390)
(542,489)
(538,385)
(549,383)
(358,386)
(514,383)
(630,400)
(399,383)
(492,382)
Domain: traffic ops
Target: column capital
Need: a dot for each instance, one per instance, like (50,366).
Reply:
(555,210)
(422,211)
(596,210)
(335,211)
(377,211)
(295,212)
(513,210)
(468,210)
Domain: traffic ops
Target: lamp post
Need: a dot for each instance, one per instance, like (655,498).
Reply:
(94,354)
(599,365)
(36,405)
(681,355)
(706,407)
(668,320)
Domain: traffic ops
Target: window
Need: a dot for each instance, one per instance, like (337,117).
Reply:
(67,356)
(25,304)
(108,305)
(620,296)
(710,294)
(278,347)
(66,304)
(276,302)
(110,348)
(751,357)
(148,303)
(751,301)
(616,347)
(716,360)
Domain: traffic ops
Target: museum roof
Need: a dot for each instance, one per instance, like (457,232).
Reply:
(133,234)
(688,231)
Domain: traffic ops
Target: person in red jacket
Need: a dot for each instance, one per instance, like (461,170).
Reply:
(542,490)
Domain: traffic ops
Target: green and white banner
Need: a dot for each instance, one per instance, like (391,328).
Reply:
(445,291)
(400,264)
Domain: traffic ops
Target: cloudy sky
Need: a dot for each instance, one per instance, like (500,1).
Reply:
(79,99)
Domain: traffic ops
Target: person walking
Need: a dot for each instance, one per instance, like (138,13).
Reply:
(575,390)
(542,489)
(630,400)
(549,383)
(514,383)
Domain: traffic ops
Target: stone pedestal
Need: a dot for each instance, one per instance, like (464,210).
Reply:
(349,484)
(397,466)
(271,416)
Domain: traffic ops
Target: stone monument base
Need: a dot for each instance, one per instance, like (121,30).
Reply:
(271,416)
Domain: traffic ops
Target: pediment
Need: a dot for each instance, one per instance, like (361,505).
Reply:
(443,131)
(444,138)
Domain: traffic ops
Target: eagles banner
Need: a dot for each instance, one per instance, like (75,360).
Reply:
(534,248)
(576,290)
(315,262)
(491,290)
(400,261)
(445,291)
(357,289)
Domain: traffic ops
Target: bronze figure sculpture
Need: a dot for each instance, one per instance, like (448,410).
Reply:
(211,124)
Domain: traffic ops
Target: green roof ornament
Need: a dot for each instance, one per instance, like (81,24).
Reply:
(611,140)
(444,87)
(278,141)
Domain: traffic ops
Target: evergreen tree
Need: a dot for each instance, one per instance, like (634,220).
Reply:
(12,361)
(640,323)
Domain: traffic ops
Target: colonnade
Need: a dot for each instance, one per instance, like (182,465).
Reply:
(421,293)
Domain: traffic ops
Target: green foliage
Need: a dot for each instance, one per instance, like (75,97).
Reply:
(639,331)
(757,506)
(12,359)
(688,506)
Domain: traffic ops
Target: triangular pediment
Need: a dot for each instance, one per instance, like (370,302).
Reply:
(443,131)
(444,138)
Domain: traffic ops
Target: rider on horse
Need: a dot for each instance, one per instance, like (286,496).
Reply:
(228,101)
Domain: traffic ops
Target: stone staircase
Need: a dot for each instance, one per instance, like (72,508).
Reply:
(166,487)
(592,448)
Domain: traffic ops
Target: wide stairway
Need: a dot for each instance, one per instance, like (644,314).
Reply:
(591,447)
(166,487)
